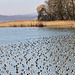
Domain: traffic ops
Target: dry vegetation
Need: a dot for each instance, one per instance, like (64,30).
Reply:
(56,10)
(50,24)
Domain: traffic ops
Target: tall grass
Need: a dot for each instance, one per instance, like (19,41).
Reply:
(50,24)
(37,25)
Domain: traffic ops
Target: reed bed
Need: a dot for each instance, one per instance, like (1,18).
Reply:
(49,24)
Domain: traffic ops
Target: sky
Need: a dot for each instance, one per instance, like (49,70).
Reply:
(19,7)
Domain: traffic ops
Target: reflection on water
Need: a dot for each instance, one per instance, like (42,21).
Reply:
(37,51)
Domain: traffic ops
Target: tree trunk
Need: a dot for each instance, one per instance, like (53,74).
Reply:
(73,10)
(60,10)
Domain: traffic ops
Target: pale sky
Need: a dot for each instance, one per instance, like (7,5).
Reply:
(19,7)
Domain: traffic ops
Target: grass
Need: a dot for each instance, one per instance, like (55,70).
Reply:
(49,24)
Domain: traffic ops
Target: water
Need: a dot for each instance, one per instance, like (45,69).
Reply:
(37,51)
(14,35)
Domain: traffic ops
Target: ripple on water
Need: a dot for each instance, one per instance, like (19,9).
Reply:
(43,56)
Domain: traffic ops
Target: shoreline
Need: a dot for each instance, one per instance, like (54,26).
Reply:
(48,24)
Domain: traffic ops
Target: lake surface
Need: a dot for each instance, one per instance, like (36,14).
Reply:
(37,51)
(14,35)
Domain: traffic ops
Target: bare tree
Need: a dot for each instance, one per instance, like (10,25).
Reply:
(41,11)
(58,10)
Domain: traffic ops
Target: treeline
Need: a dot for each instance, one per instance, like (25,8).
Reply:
(56,10)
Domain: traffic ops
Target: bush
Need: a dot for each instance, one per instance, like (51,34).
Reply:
(40,25)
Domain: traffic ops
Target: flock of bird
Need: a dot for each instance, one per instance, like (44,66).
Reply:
(42,56)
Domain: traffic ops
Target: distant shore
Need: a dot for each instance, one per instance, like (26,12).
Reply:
(49,24)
